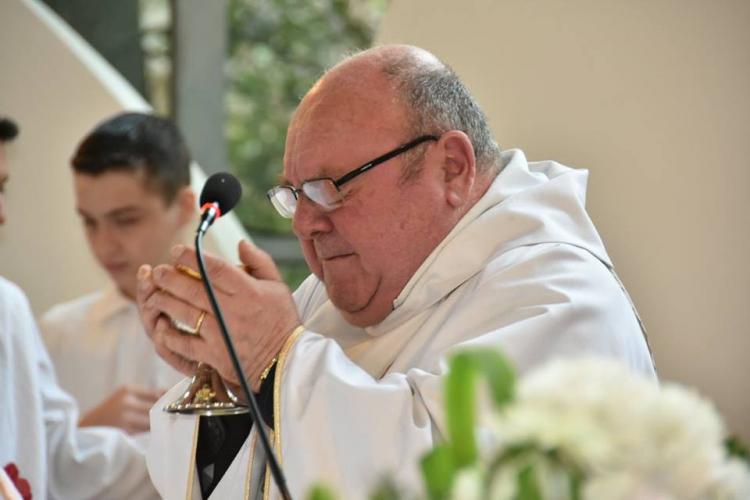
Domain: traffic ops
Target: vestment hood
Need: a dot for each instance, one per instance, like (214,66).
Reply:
(527,204)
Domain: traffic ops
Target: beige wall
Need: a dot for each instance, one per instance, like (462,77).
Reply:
(654,98)
(57,88)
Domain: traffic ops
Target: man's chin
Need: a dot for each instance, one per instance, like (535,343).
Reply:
(125,287)
(360,313)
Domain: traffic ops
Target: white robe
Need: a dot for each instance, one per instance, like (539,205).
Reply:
(101,333)
(524,271)
(38,422)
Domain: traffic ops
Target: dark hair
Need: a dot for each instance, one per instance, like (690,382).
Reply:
(8,129)
(438,101)
(137,141)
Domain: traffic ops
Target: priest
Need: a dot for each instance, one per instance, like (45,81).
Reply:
(423,238)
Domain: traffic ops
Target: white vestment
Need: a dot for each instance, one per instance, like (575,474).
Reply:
(38,422)
(524,271)
(97,343)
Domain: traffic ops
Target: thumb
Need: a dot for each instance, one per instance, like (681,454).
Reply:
(257,263)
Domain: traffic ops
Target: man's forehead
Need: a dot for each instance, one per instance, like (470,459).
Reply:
(113,189)
(322,139)
(310,154)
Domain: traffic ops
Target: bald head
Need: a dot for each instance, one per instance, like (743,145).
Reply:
(395,211)
(407,84)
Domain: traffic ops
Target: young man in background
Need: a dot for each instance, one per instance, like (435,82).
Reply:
(132,189)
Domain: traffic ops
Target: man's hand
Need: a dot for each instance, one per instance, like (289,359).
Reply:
(155,323)
(127,408)
(258,309)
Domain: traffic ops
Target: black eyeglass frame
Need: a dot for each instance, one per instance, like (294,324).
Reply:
(367,166)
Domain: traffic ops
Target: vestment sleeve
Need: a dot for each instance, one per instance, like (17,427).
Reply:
(336,423)
(80,463)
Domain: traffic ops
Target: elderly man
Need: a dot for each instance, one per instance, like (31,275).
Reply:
(438,241)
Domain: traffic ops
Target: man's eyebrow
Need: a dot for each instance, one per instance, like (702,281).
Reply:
(117,212)
(124,211)
(324,173)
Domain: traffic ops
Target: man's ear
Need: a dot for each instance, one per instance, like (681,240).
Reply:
(459,167)
(186,204)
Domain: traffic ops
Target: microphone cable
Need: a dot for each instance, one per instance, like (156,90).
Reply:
(273,463)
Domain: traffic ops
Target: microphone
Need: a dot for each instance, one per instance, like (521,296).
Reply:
(220,194)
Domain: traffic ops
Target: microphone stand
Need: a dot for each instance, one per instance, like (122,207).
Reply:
(276,472)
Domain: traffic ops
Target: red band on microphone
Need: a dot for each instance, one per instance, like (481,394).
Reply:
(215,206)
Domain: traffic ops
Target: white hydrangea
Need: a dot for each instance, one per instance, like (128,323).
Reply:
(632,438)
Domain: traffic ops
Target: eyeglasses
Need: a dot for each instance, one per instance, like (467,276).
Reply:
(325,191)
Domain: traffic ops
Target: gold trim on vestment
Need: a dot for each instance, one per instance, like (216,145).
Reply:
(276,433)
(280,365)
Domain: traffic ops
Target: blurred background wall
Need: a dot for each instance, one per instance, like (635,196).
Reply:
(653,97)
(57,87)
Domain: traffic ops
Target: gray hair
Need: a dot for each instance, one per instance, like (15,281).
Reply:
(437,101)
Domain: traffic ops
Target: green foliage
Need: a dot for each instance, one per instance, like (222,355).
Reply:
(277,49)
(460,397)
(320,492)
(293,274)
(528,453)
(439,469)
(440,466)
(528,485)
(387,490)
(736,448)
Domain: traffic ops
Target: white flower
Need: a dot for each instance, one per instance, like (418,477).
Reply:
(632,438)
(468,484)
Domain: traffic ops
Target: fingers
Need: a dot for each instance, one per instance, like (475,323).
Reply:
(178,311)
(127,408)
(176,283)
(136,422)
(224,276)
(189,347)
(257,263)
(143,396)
(178,362)
(144,290)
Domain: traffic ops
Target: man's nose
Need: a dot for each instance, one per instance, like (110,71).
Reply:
(310,219)
(106,241)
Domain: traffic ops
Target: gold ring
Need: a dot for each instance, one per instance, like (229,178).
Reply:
(182,327)
(199,323)
(188,271)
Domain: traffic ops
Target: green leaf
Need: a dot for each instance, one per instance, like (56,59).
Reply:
(528,485)
(576,484)
(439,470)
(320,492)
(461,409)
(460,397)
(386,490)
(737,449)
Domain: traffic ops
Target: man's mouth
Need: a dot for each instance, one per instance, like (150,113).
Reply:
(336,257)
(116,268)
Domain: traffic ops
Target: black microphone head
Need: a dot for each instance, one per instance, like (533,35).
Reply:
(221,188)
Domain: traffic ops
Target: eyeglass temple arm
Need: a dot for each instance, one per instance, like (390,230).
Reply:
(382,159)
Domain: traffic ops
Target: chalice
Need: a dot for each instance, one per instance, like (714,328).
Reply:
(207,394)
